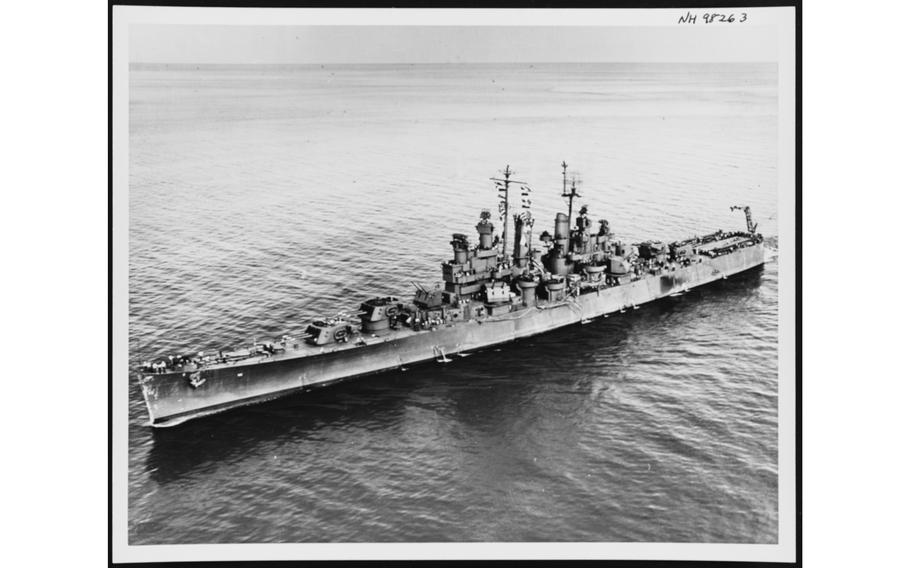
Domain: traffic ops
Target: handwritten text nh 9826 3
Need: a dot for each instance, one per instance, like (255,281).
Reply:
(713,18)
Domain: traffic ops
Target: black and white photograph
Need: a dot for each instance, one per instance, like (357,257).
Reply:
(454,284)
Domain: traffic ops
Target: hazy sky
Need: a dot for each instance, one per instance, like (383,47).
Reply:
(447,44)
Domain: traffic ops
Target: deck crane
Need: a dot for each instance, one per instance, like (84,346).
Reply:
(752,227)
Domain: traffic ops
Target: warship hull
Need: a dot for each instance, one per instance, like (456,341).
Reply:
(173,398)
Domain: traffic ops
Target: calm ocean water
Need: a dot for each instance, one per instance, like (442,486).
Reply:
(262,197)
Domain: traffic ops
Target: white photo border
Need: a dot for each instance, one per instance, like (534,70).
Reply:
(783,18)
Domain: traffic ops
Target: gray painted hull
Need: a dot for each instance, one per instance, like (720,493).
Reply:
(171,399)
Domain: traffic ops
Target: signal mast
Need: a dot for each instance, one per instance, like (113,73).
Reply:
(502,184)
(569,192)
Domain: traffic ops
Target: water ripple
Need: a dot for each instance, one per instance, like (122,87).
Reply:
(262,197)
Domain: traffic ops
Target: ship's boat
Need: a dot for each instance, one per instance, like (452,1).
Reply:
(490,293)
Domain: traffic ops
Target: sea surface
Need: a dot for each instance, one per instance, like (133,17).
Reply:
(261,197)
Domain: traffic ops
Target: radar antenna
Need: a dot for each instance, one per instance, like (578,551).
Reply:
(750,225)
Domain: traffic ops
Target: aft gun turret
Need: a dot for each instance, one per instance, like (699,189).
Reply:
(377,314)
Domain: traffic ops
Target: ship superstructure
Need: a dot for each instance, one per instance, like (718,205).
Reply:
(499,289)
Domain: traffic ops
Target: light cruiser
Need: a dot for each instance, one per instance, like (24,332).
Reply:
(497,290)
